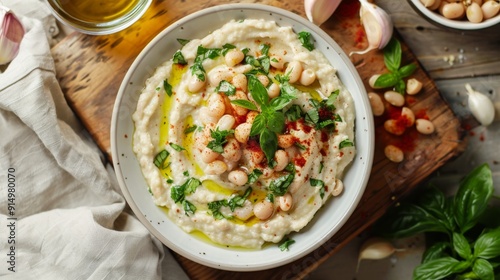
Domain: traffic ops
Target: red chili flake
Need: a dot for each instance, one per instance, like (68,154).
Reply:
(411,100)
(300,161)
(422,114)
(240,119)
(348,8)
(253,146)
(406,142)
(290,126)
(359,35)
(472,133)
(341,154)
(325,114)
(401,122)
(305,127)
(323,152)
(481,137)
(467,127)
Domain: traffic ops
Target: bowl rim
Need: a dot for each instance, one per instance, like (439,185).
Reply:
(441,21)
(367,160)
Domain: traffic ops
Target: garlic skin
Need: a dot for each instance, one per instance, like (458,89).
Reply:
(480,106)
(377,24)
(318,11)
(11,34)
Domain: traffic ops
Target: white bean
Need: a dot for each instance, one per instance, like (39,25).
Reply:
(286,202)
(216,167)
(237,177)
(263,210)
(393,153)
(452,10)
(409,115)
(251,116)
(338,188)
(474,13)
(242,132)
(424,126)
(376,103)
(372,80)
(273,90)
(195,84)
(394,98)
(285,140)
(217,75)
(293,71)
(208,155)
(435,5)
(253,157)
(244,213)
(490,9)
(232,151)
(307,77)
(427,3)
(226,122)
(240,82)
(263,79)
(234,57)
(277,62)
(392,127)
(216,107)
(207,116)
(413,86)
(281,158)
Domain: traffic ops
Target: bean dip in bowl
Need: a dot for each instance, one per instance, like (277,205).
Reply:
(242,137)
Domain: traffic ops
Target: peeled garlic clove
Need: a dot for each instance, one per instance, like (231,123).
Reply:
(11,34)
(375,248)
(318,11)
(378,26)
(480,106)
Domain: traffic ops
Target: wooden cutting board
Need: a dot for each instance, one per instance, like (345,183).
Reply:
(91,68)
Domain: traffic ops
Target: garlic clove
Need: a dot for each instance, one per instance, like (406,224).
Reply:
(480,106)
(11,34)
(377,24)
(375,248)
(318,11)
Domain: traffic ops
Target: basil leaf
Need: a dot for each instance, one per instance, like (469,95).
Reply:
(258,91)
(288,94)
(245,104)
(436,251)
(183,42)
(306,40)
(177,193)
(190,129)
(226,88)
(285,245)
(203,53)
(434,201)
(198,71)
(258,125)
(293,113)
(276,122)
(177,147)
(191,184)
(239,201)
(333,96)
(226,47)
(167,87)
(318,183)
(483,269)
(189,208)
(461,245)
(327,123)
(280,186)
(472,197)
(178,58)
(264,49)
(265,64)
(219,138)
(254,176)
(387,80)
(268,143)
(346,143)
(392,55)
(160,158)
(312,116)
(436,269)
(487,245)
(400,86)
(407,70)
(215,206)
(300,146)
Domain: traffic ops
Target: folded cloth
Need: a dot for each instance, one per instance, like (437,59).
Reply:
(64,214)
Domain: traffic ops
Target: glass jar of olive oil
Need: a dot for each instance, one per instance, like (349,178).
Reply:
(98,17)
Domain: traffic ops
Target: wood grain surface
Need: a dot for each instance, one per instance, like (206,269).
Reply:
(90,70)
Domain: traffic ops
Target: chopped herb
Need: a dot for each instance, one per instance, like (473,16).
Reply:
(179,58)
(346,143)
(167,87)
(320,167)
(300,146)
(158,88)
(178,193)
(238,201)
(226,88)
(203,53)
(170,181)
(215,206)
(190,129)
(285,245)
(245,104)
(176,147)
(280,186)
(264,49)
(227,47)
(333,96)
(254,176)
(183,42)
(270,197)
(219,137)
(149,190)
(318,183)
(306,40)
(198,71)
(185,173)
(274,60)
(160,158)
(189,208)
(232,203)
(294,113)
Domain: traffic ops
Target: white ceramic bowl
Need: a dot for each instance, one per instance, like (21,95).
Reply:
(463,24)
(326,222)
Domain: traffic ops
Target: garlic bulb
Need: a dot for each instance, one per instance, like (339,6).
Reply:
(480,106)
(11,34)
(378,26)
(318,11)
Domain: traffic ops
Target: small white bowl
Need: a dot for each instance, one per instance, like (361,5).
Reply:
(457,24)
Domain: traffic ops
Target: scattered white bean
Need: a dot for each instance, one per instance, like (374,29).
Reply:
(263,210)
(413,86)
(285,140)
(207,118)
(372,80)
(277,62)
(338,188)
(409,115)
(376,103)
(216,167)
(208,155)
(242,132)
(238,177)
(394,98)
(234,57)
(217,75)
(244,213)
(263,79)
(424,126)
(307,77)
(286,202)
(394,153)
(195,84)
(392,127)
(293,71)
(232,151)
(253,157)
(281,158)
(216,107)
(226,122)
(273,90)
(240,82)
(251,116)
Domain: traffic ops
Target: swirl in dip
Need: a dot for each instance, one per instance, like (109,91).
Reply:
(243,135)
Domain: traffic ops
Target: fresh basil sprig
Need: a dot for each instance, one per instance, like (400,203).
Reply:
(471,249)
(392,60)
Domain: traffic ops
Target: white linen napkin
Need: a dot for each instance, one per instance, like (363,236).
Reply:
(67,218)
